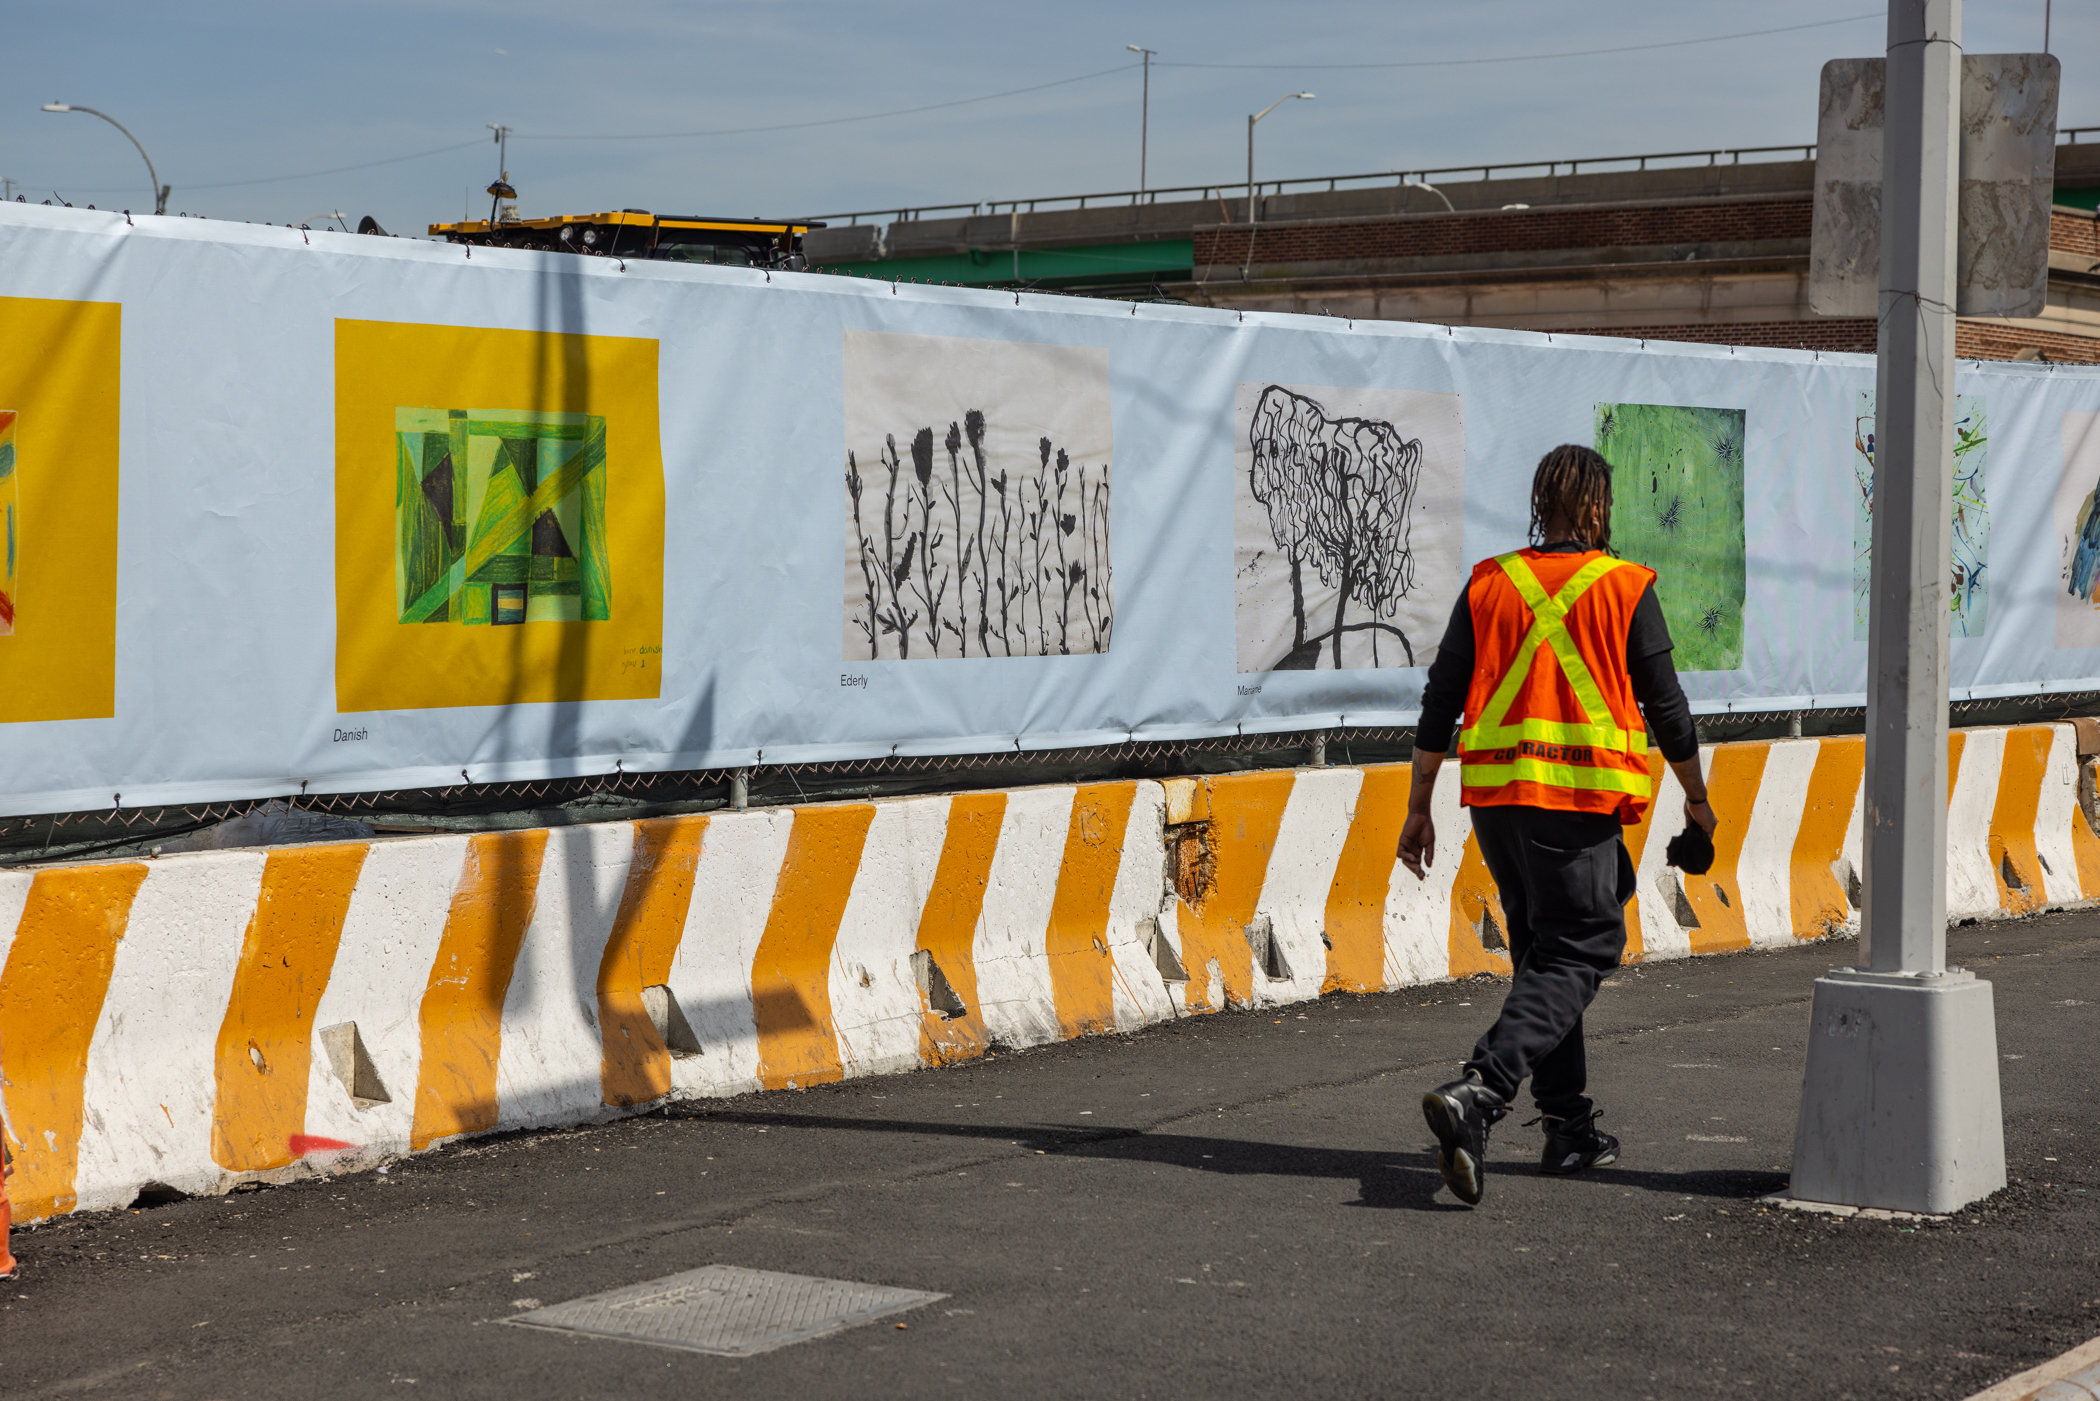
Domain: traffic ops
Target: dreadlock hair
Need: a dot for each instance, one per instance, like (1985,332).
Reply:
(1574,483)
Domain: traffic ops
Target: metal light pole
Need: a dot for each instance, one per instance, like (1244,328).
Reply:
(1421,184)
(500,189)
(1900,1105)
(1144,111)
(1250,143)
(160,191)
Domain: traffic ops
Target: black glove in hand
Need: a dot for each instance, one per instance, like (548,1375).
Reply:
(1691,850)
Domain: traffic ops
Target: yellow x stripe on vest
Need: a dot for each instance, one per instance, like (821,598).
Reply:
(1549,628)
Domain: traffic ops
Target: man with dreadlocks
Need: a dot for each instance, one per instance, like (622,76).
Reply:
(1552,653)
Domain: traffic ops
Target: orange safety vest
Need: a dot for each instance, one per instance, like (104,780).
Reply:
(1551,721)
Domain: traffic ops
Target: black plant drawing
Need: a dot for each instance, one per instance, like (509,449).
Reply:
(1339,494)
(973,562)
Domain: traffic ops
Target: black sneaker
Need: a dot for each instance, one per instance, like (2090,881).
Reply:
(1460,1115)
(1573,1144)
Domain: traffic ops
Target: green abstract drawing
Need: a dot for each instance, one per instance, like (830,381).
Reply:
(500,517)
(1677,507)
(10,526)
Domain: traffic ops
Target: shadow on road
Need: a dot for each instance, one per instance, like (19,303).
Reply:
(1402,1180)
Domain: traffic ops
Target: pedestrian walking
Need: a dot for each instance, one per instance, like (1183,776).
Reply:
(1552,653)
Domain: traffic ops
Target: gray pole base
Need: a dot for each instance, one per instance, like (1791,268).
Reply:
(1899,1105)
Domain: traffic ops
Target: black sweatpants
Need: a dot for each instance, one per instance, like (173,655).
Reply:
(1565,878)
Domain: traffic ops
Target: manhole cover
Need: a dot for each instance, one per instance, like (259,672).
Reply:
(726,1309)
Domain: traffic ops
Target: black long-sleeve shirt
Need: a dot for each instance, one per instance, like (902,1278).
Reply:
(1648,648)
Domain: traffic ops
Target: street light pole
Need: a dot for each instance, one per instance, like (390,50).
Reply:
(1144,111)
(1900,1106)
(160,191)
(1250,143)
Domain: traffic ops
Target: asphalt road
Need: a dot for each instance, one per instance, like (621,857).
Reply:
(1242,1204)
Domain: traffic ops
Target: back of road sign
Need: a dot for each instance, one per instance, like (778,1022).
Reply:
(2008,169)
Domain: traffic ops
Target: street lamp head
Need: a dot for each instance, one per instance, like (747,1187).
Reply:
(56,107)
(1302,94)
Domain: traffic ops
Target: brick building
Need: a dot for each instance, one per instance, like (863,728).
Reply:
(1711,248)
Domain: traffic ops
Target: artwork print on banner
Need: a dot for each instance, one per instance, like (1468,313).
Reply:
(2077,521)
(1348,525)
(10,527)
(1677,507)
(500,517)
(1968,579)
(977,499)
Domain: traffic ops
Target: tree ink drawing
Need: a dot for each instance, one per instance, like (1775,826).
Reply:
(1339,493)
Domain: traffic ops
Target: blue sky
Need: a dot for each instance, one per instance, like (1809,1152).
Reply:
(232,92)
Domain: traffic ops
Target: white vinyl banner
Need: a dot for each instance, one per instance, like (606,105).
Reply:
(305,511)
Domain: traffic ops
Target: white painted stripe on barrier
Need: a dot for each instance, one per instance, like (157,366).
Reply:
(1013,969)
(2055,810)
(151,1075)
(1765,870)
(382,966)
(875,1003)
(1854,853)
(547,1065)
(1661,935)
(1418,912)
(1141,995)
(1972,885)
(1301,870)
(733,885)
(14,898)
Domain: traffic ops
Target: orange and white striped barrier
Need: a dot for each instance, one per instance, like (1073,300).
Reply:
(198,1019)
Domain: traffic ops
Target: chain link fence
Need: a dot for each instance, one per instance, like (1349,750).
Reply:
(468,807)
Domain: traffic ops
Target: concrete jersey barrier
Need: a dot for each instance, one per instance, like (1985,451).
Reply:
(197,1020)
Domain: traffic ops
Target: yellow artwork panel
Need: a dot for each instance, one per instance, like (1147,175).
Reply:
(59,375)
(499,517)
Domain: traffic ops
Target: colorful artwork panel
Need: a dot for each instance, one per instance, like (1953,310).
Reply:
(500,517)
(1348,525)
(2077,521)
(60,364)
(10,526)
(1968,578)
(495,555)
(1677,507)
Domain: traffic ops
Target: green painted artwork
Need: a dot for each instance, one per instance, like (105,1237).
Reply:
(500,517)
(1677,507)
